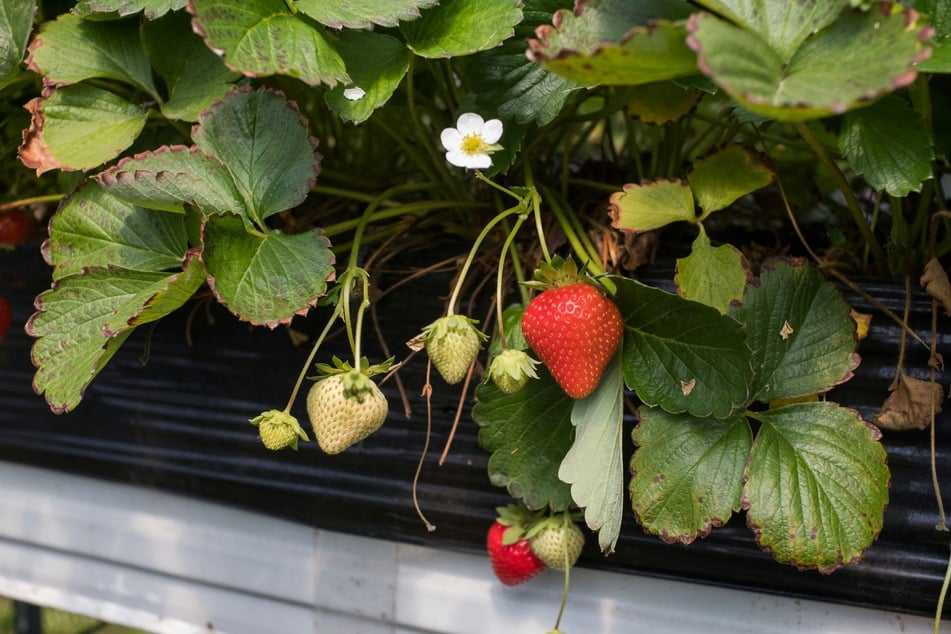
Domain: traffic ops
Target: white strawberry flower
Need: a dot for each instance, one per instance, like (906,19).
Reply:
(354,93)
(471,142)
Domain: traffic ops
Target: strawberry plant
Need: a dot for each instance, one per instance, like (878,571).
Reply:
(284,157)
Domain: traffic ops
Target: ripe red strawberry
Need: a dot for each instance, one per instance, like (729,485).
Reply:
(15,228)
(573,328)
(6,317)
(513,563)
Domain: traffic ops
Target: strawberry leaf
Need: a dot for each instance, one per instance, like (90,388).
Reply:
(16,20)
(462,27)
(263,140)
(262,37)
(361,14)
(800,331)
(151,8)
(817,485)
(715,276)
(681,355)
(193,75)
(171,178)
(529,433)
(265,278)
(719,179)
(687,472)
(651,205)
(79,127)
(593,466)
(377,64)
(616,42)
(84,318)
(70,49)
(93,228)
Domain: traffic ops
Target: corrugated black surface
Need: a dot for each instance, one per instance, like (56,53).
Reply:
(179,424)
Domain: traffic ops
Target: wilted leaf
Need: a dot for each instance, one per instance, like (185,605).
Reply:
(888,144)
(265,279)
(817,485)
(669,341)
(935,282)
(93,228)
(719,179)
(79,127)
(651,205)
(594,465)
(801,333)
(715,276)
(262,37)
(528,433)
(687,472)
(910,405)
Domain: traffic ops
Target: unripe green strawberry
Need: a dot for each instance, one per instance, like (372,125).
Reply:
(511,370)
(573,328)
(557,541)
(453,343)
(344,409)
(278,429)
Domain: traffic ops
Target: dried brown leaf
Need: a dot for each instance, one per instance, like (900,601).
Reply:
(935,282)
(909,405)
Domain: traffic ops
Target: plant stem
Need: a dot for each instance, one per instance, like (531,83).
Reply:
(499,273)
(310,359)
(857,216)
(23,202)
(941,597)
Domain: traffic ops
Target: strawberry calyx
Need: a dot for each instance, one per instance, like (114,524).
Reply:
(558,272)
(511,369)
(355,381)
(517,519)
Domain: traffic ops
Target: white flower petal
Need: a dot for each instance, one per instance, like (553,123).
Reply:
(492,131)
(470,161)
(469,123)
(451,139)
(354,94)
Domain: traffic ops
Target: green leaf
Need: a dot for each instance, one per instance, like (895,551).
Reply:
(263,140)
(194,76)
(719,179)
(817,485)
(687,472)
(800,330)
(617,42)
(857,58)
(79,127)
(937,13)
(682,355)
(360,14)
(261,37)
(93,228)
(651,205)
(782,25)
(528,433)
(16,20)
(512,327)
(70,49)
(594,466)
(265,279)
(376,64)
(171,177)
(151,8)
(83,319)
(507,83)
(662,102)
(715,276)
(888,144)
(462,27)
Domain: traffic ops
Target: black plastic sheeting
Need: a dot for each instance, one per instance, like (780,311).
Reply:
(179,424)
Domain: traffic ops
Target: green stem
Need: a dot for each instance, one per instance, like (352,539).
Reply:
(23,202)
(401,210)
(310,359)
(857,216)
(499,273)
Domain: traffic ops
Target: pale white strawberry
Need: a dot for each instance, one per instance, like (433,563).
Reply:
(344,409)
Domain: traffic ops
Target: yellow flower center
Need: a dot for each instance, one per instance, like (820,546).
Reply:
(473,144)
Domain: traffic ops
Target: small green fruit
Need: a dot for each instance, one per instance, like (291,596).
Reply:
(558,542)
(511,370)
(453,343)
(344,409)
(278,429)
